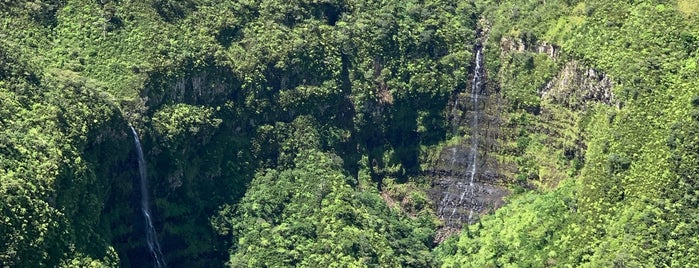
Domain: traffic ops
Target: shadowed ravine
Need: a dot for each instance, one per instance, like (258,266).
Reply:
(151,235)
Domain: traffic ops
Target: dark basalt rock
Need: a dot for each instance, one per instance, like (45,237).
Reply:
(465,180)
(458,202)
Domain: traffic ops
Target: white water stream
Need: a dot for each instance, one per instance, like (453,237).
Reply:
(151,235)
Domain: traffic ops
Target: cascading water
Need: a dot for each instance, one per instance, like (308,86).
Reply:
(475,90)
(462,193)
(151,235)
(466,180)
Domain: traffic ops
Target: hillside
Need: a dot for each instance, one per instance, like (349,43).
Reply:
(349,133)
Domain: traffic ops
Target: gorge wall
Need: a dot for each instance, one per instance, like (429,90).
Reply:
(507,129)
(279,133)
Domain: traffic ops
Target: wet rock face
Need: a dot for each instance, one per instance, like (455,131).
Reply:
(465,179)
(459,201)
(469,179)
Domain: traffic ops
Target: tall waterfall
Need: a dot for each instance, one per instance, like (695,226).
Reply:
(475,90)
(466,179)
(468,190)
(463,195)
(151,235)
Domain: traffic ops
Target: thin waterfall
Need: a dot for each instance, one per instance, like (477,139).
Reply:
(465,176)
(460,194)
(151,235)
(475,91)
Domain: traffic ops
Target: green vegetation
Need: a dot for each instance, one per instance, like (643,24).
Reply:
(303,133)
(633,202)
(309,215)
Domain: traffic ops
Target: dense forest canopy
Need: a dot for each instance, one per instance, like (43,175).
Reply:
(333,132)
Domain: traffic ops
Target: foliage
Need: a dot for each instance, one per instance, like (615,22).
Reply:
(527,232)
(627,205)
(179,120)
(309,216)
(47,125)
(284,133)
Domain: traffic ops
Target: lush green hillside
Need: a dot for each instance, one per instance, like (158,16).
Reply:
(306,133)
(634,201)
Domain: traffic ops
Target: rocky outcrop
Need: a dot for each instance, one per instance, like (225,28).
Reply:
(577,86)
(207,87)
(518,45)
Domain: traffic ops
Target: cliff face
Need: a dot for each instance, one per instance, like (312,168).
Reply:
(196,143)
(111,157)
(400,98)
(598,94)
(578,87)
(210,86)
(467,179)
(510,134)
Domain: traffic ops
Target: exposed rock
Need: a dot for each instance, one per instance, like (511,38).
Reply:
(576,86)
(517,45)
(511,44)
(459,202)
(549,49)
(466,180)
(208,87)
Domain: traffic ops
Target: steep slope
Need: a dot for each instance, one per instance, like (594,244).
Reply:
(211,87)
(62,147)
(349,133)
(630,197)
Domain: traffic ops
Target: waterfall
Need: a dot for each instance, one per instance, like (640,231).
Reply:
(465,177)
(460,195)
(151,235)
(475,90)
